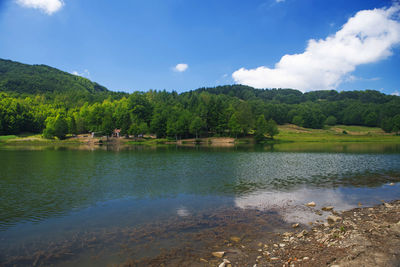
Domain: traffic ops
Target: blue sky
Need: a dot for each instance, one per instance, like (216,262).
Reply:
(136,45)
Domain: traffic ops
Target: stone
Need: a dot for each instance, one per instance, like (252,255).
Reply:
(295,225)
(260,244)
(311,204)
(327,208)
(274,259)
(391,184)
(306,258)
(203,260)
(235,239)
(333,219)
(387,205)
(223,264)
(282,245)
(302,234)
(218,254)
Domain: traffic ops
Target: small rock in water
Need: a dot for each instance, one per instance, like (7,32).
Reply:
(222,264)
(235,239)
(333,219)
(306,258)
(260,244)
(327,208)
(302,234)
(359,204)
(295,225)
(387,205)
(218,254)
(274,259)
(282,245)
(392,184)
(311,204)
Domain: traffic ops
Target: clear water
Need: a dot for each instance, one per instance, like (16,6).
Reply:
(55,198)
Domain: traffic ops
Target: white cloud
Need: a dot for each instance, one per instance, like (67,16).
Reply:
(48,6)
(396,93)
(85,73)
(278,1)
(181,67)
(367,37)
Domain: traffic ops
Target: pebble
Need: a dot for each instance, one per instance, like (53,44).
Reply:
(282,245)
(327,208)
(391,184)
(387,205)
(311,204)
(218,254)
(235,239)
(274,259)
(295,225)
(306,258)
(333,219)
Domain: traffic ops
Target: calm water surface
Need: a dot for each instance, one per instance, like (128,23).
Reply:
(55,198)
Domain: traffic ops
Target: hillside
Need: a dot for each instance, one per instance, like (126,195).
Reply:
(21,78)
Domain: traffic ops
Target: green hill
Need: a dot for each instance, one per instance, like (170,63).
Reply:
(41,79)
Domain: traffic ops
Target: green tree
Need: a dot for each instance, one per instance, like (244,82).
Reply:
(272,128)
(331,120)
(234,125)
(261,128)
(196,125)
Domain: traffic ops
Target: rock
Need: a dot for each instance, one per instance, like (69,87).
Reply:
(391,184)
(218,254)
(225,263)
(274,259)
(387,205)
(333,219)
(259,257)
(282,245)
(260,244)
(327,208)
(203,260)
(295,225)
(235,239)
(306,258)
(311,204)
(276,245)
(302,234)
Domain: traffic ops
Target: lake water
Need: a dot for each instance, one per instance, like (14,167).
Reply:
(82,206)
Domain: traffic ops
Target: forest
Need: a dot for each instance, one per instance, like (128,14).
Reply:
(40,99)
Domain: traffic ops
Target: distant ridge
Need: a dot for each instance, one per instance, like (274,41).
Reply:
(41,79)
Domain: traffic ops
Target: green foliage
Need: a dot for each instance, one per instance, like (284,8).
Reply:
(34,98)
(272,128)
(331,120)
(261,128)
(56,127)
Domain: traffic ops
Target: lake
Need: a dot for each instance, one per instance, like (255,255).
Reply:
(100,206)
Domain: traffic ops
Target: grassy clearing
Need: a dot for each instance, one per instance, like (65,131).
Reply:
(338,133)
(7,137)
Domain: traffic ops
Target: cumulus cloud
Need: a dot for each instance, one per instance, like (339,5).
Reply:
(48,6)
(181,67)
(367,37)
(278,1)
(396,93)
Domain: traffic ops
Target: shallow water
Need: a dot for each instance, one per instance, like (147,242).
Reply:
(103,205)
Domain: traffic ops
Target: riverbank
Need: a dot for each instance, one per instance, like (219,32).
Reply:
(359,237)
(288,133)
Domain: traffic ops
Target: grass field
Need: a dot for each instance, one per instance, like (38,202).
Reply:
(337,133)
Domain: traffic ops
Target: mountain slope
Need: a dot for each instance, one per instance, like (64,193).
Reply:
(40,79)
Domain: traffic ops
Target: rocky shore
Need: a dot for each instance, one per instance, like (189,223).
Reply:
(358,237)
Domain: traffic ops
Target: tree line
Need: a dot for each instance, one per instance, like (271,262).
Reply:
(235,110)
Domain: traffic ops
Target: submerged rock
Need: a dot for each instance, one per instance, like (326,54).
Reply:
(235,239)
(311,204)
(327,208)
(333,219)
(295,225)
